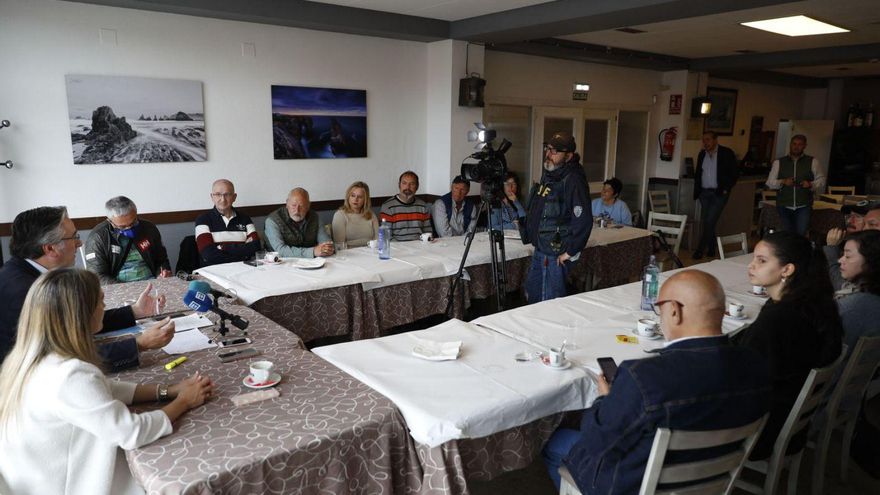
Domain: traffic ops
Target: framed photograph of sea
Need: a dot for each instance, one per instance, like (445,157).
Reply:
(319,122)
(119,119)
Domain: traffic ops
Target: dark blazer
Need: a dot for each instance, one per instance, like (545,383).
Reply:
(793,342)
(728,171)
(695,384)
(16,278)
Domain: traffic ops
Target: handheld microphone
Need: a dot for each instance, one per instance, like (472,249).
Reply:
(198,298)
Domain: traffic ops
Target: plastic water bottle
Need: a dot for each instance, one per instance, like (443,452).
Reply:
(650,284)
(385,240)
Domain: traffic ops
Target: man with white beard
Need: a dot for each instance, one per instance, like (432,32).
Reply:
(295,231)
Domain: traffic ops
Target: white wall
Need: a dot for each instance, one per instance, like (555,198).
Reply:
(43,40)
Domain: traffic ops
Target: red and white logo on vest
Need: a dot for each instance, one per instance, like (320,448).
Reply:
(144,244)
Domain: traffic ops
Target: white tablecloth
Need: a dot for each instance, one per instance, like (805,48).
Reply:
(483,392)
(410,261)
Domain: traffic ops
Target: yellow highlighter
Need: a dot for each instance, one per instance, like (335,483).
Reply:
(174,363)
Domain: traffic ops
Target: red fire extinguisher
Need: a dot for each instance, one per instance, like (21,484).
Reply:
(666,139)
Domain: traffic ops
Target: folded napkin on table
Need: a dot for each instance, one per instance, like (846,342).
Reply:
(436,351)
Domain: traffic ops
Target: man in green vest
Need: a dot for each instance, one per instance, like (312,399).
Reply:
(796,176)
(295,231)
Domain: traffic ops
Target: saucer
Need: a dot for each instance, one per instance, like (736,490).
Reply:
(740,317)
(267,262)
(273,380)
(656,336)
(309,263)
(763,294)
(564,366)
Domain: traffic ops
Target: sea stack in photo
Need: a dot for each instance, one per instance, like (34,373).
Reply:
(108,128)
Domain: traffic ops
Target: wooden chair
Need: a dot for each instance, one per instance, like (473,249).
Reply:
(721,471)
(668,226)
(842,410)
(739,239)
(805,407)
(659,201)
(844,190)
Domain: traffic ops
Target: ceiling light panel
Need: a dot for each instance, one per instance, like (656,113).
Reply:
(798,25)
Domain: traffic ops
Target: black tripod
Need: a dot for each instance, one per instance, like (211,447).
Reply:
(499,259)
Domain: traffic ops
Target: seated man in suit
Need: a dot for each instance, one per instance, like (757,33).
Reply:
(295,231)
(699,381)
(223,234)
(44,239)
(124,248)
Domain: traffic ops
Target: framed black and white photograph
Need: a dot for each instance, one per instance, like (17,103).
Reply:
(318,122)
(118,119)
(721,117)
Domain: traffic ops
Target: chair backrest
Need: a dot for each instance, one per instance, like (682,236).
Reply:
(637,218)
(659,201)
(768,194)
(721,471)
(845,190)
(810,400)
(739,239)
(669,226)
(857,373)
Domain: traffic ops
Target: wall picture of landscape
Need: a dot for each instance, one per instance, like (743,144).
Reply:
(135,119)
(319,122)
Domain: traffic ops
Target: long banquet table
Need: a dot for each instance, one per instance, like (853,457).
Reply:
(466,405)
(325,433)
(356,293)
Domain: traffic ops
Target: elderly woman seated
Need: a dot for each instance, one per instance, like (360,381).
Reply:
(609,204)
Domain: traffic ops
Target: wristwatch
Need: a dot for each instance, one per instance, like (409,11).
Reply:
(162,392)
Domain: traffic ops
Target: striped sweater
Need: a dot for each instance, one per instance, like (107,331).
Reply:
(220,241)
(408,220)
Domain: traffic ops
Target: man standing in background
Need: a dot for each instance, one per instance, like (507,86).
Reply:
(800,178)
(716,175)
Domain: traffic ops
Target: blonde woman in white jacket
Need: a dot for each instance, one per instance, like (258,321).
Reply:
(63,424)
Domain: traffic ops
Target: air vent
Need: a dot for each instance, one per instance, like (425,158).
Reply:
(630,30)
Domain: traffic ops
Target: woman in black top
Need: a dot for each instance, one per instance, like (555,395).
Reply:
(797,329)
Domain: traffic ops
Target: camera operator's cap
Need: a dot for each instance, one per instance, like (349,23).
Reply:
(562,141)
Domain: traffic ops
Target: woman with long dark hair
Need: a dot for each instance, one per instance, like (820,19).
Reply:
(859,298)
(797,329)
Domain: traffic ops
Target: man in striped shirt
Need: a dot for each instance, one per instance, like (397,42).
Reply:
(408,215)
(222,234)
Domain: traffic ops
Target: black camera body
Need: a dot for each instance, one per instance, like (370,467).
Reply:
(490,168)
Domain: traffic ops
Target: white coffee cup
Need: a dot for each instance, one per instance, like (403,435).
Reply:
(647,327)
(261,370)
(759,289)
(555,358)
(373,243)
(735,309)
(272,257)
(426,237)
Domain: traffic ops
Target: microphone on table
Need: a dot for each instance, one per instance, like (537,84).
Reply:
(198,297)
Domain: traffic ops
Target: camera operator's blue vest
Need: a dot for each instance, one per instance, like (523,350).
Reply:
(468,209)
(555,218)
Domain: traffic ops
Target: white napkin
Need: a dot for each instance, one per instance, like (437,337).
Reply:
(436,351)
(307,263)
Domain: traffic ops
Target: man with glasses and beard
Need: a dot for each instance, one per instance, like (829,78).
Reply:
(559,219)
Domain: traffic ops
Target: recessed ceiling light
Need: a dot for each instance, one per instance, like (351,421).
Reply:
(798,25)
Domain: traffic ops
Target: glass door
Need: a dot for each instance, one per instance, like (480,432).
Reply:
(599,147)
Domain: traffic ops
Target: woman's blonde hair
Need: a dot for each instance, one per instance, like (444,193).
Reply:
(56,318)
(346,206)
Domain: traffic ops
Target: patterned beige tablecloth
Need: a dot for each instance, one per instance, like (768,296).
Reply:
(325,433)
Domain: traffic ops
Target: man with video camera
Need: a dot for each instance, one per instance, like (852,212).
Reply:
(559,219)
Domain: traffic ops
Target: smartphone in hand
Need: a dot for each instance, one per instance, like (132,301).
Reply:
(608,367)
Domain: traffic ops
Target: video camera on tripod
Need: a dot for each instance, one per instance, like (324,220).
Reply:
(488,166)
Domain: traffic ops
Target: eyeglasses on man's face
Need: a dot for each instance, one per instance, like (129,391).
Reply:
(656,305)
(74,237)
(222,195)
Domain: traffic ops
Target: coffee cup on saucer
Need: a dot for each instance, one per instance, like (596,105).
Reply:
(759,290)
(647,327)
(272,257)
(261,370)
(555,357)
(735,309)
(426,237)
